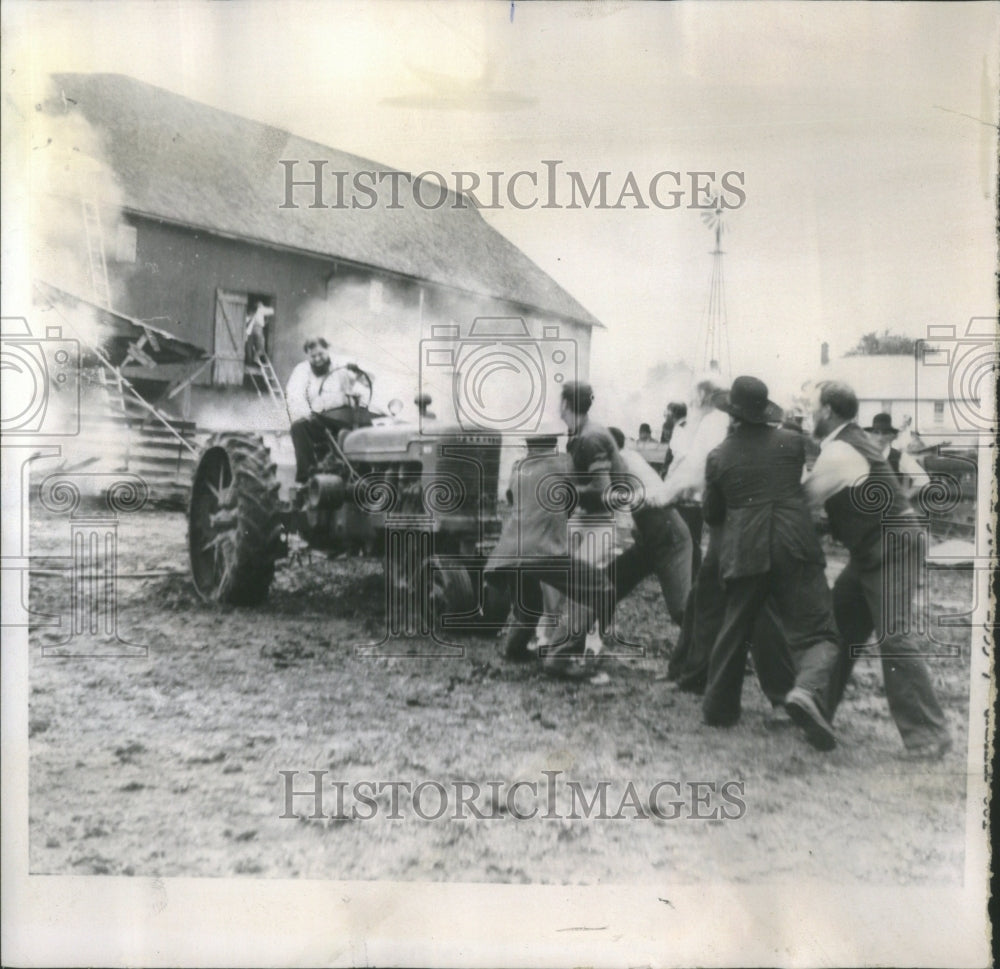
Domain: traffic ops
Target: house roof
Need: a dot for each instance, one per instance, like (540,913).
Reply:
(185,162)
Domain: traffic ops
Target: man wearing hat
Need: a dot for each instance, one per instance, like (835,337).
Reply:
(768,548)
(911,476)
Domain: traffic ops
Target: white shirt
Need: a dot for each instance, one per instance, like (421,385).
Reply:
(838,466)
(686,476)
(654,490)
(680,438)
(308,393)
(914,476)
(259,318)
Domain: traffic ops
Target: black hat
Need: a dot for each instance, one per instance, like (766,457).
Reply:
(882,424)
(747,401)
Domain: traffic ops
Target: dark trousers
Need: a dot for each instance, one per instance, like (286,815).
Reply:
(692,515)
(703,617)
(254,345)
(802,604)
(858,603)
(537,592)
(530,601)
(663,548)
(307,432)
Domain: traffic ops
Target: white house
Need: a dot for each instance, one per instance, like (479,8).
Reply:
(925,389)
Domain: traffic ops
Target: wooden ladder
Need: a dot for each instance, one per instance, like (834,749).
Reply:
(95,252)
(271,381)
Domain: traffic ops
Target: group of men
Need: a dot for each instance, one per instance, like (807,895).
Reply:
(738,468)
(761,585)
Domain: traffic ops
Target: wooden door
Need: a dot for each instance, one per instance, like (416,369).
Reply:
(230,323)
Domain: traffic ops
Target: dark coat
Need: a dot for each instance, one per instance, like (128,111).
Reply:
(596,464)
(536,529)
(855,521)
(753,489)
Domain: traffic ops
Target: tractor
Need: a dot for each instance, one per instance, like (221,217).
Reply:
(422,496)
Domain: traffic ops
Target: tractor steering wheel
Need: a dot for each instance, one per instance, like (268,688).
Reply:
(364,378)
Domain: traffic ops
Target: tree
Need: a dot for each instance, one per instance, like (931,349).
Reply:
(884,343)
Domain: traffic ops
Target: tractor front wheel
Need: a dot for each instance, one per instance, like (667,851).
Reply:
(234,526)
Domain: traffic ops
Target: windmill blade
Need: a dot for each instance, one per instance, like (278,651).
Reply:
(715,217)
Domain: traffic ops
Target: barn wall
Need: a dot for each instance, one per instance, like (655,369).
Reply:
(392,328)
(385,322)
(177,272)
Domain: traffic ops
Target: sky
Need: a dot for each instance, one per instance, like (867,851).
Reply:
(866,135)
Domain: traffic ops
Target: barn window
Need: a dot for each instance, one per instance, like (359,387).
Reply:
(375,295)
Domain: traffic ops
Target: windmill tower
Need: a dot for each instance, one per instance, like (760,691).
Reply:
(714,341)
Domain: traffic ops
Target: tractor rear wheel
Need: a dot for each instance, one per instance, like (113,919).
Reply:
(234,526)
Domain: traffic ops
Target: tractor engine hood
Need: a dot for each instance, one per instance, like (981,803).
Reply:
(399,438)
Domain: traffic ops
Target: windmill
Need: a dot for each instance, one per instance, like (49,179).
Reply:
(714,341)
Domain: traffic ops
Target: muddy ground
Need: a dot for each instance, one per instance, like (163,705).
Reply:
(167,764)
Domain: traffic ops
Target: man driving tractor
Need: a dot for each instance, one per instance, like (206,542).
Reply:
(322,396)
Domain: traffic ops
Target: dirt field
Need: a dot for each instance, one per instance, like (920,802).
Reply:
(168,764)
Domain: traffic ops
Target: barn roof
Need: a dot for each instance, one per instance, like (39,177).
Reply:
(185,162)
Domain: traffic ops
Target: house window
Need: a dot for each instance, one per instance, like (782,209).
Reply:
(939,412)
(125,242)
(886,406)
(375,295)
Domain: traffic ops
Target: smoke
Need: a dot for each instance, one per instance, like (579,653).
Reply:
(74,223)
(379,325)
(626,408)
(69,172)
(227,413)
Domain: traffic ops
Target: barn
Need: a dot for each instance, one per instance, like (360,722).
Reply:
(192,224)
